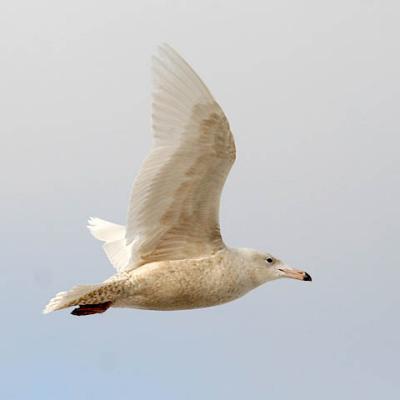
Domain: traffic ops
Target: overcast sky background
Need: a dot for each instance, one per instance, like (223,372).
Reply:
(312,93)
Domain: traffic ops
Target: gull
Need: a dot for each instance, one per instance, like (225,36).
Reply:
(170,255)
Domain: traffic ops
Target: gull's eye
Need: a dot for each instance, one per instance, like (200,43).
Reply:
(269,260)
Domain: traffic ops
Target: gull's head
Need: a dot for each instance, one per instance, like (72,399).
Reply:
(265,267)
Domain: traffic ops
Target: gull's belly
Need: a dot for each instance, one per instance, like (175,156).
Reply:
(183,284)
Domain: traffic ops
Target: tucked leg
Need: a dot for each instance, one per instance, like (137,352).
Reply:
(88,309)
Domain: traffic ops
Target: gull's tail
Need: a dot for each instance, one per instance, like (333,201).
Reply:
(91,299)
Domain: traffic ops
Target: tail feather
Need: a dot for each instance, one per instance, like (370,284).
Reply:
(85,295)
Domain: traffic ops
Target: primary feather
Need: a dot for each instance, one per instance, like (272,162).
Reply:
(113,235)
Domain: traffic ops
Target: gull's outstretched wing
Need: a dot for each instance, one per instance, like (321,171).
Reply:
(174,205)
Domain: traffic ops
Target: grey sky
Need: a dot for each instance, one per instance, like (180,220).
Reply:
(312,93)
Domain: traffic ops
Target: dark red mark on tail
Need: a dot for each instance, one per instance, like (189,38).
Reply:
(89,309)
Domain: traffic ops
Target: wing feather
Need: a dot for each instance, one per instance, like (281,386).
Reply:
(174,205)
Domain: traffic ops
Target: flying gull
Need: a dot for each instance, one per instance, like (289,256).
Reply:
(170,255)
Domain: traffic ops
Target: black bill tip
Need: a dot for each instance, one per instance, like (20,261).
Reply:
(307,277)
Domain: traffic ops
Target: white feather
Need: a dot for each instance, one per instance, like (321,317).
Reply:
(104,230)
(114,237)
